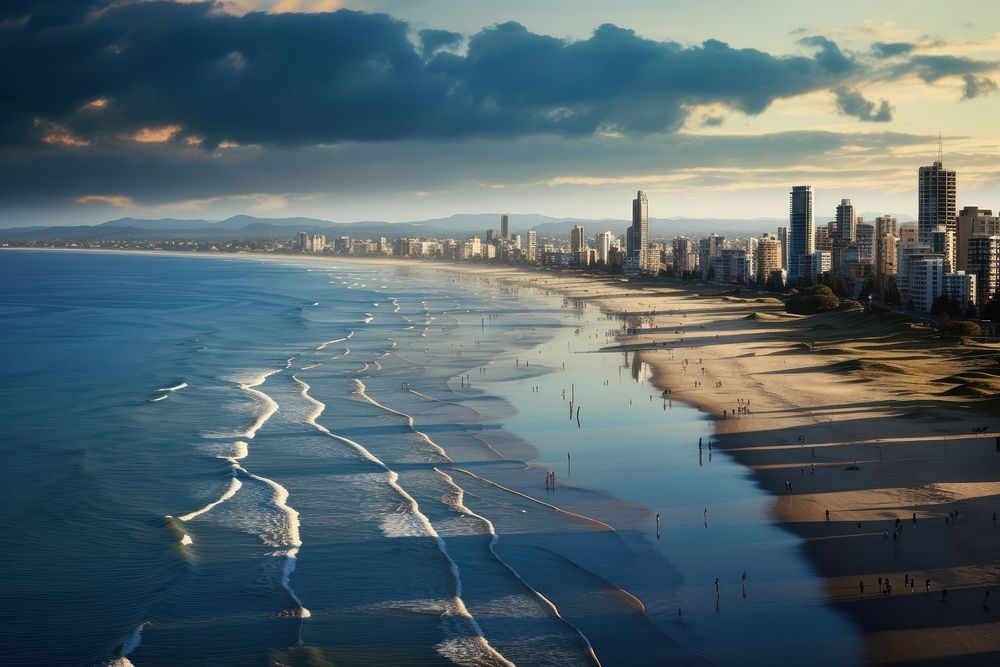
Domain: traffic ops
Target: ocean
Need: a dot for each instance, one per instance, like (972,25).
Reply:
(230,461)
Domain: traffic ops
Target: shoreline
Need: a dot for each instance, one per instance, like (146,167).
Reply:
(877,414)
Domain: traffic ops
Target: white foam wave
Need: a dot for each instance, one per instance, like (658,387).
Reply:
(458,502)
(361,391)
(234,486)
(270,405)
(186,540)
(286,538)
(323,346)
(161,397)
(368,317)
(457,605)
(176,387)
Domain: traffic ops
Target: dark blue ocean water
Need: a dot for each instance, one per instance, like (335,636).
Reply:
(227,461)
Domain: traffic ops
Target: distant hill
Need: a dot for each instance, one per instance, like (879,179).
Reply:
(246,227)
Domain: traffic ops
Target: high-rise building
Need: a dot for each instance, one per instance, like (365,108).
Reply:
(972,221)
(767,258)
(684,257)
(886,235)
(815,264)
(926,280)
(577,239)
(960,288)
(864,236)
(709,249)
(783,238)
(532,245)
(936,197)
(604,242)
(845,220)
(640,228)
(732,266)
(984,263)
(801,227)
(943,242)
(303,241)
(505,226)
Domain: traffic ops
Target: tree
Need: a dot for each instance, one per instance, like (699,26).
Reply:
(961,328)
(944,306)
(775,282)
(991,311)
(815,299)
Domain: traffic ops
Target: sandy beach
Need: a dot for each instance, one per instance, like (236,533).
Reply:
(870,418)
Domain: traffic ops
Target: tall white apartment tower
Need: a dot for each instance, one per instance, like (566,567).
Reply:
(640,228)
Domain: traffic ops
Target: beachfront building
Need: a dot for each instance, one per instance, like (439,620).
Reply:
(886,236)
(960,288)
(767,257)
(684,257)
(801,228)
(864,236)
(925,280)
(505,227)
(532,254)
(984,263)
(783,239)
(709,249)
(943,242)
(733,266)
(845,220)
(578,240)
(604,242)
(815,264)
(972,221)
(638,237)
(936,200)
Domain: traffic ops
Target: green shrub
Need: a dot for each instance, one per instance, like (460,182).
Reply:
(814,299)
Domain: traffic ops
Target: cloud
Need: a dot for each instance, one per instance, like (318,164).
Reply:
(294,79)
(931,68)
(432,40)
(853,103)
(977,86)
(892,49)
(709,120)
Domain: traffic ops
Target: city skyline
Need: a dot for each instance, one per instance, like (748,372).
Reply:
(846,98)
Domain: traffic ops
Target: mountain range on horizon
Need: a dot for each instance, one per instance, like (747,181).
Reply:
(250,227)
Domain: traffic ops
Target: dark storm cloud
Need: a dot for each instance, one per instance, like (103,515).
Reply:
(976,86)
(434,40)
(892,49)
(933,68)
(323,78)
(157,175)
(853,103)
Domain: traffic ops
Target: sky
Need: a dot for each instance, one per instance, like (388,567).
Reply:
(411,109)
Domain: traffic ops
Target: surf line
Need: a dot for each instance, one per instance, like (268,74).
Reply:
(536,500)
(392,478)
(361,391)
(322,346)
(494,538)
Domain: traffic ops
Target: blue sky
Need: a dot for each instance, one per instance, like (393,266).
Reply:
(393,110)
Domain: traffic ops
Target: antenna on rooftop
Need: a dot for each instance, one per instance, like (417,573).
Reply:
(940,155)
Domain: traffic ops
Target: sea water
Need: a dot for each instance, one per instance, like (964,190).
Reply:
(231,461)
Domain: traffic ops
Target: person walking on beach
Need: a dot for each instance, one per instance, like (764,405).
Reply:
(657,525)
(744,581)
(861,586)
(717,589)
(706,517)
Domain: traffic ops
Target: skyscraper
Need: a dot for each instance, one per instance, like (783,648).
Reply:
(973,221)
(845,220)
(505,226)
(577,239)
(532,245)
(783,239)
(684,257)
(603,241)
(935,200)
(984,263)
(801,228)
(640,228)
